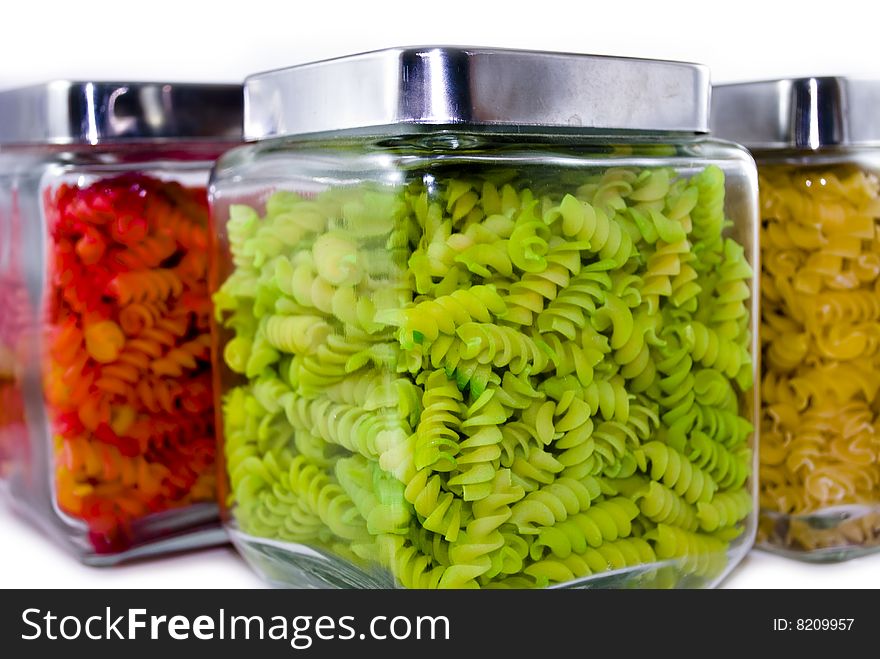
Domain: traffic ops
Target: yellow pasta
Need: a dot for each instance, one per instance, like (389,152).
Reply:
(820,337)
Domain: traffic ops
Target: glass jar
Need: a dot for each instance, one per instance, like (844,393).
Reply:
(485,320)
(106,410)
(816,143)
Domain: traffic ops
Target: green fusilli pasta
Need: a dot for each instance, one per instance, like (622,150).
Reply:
(494,380)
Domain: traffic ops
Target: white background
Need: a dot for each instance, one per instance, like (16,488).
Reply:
(187,40)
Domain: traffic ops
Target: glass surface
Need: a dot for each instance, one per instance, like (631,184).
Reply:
(108,438)
(463,360)
(820,430)
(15,343)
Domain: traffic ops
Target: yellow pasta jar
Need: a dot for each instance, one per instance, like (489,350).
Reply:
(485,319)
(815,140)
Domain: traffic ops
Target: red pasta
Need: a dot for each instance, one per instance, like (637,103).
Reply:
(14,346)
(128,382)
(13,432)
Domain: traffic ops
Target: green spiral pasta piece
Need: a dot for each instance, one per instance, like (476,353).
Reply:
(411,567)
(376,391)
(479,347)
(424,322)
(607,556)
(378,496)
(704,554)
(663,266)
(481,447)
(609,397)
(353,428)
(430,544)
(272,508)
(517,392)
(725,510)
(570,359)
(296,334)
(712,350)
(528,296)
(725,426)
(605,522)
(674,470)
(585,223)
(505,379)
(659,503)
(442,511)
(316,449)
(730,470)
(472,554)
(708,217)
(517,440)
(554,503)
(324,497)
(634,356)
(536,468)
(571,310)
(439,426)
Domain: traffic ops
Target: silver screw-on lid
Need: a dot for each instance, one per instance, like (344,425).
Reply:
(479,87)
(77,112)
(798,113)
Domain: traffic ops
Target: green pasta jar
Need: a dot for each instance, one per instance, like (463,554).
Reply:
(485,318)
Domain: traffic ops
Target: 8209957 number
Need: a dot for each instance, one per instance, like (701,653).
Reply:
(824,624)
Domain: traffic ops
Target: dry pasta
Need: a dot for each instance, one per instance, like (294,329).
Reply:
(820,327)
(491,381)
(128,380)
(16,346)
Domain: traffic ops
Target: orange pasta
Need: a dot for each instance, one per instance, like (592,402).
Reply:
(14,448)
(13,433)
(128,382)
(820,337)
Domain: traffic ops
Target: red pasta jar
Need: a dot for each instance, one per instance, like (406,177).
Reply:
(107,421)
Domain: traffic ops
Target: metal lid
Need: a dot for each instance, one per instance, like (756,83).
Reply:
(479,87)
(74,112)
(798,113)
